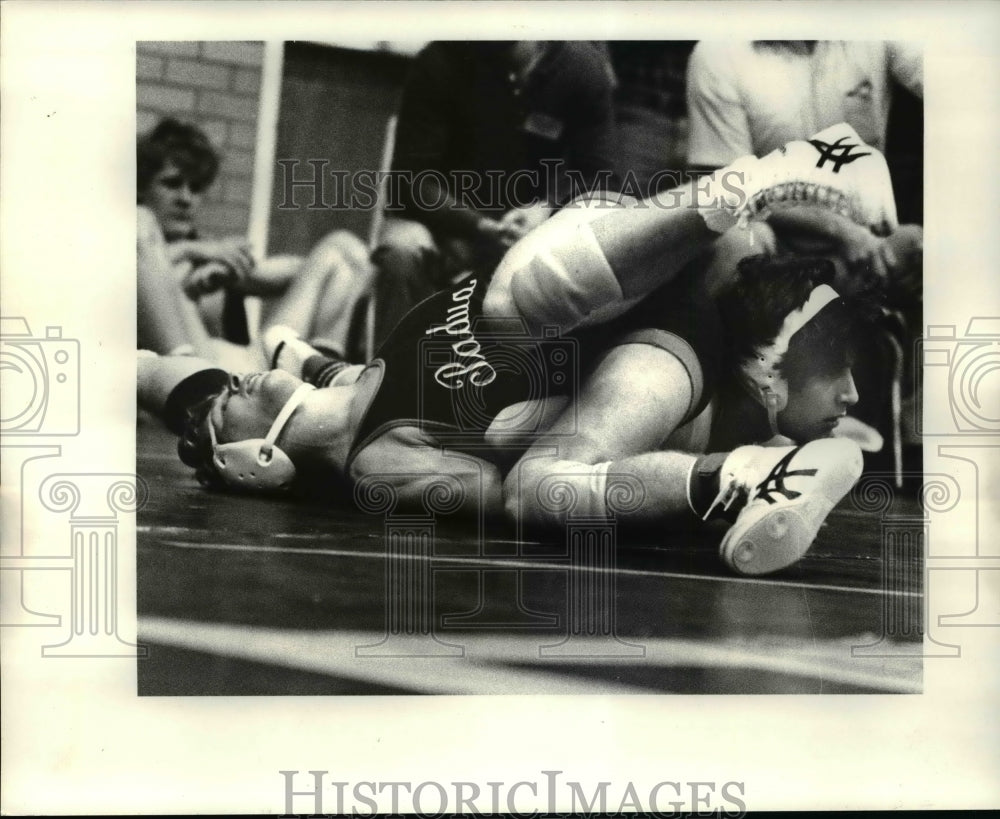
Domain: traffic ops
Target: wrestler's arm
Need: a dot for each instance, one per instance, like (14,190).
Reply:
(157,375)
(424,475)
(821,232)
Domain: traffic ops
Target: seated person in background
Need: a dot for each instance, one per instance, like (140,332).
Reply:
(651,363)
(753,97)
(489,134)
(192,288)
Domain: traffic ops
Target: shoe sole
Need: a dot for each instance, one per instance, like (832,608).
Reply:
(780,538)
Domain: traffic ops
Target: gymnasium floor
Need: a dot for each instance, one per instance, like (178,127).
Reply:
(252,596)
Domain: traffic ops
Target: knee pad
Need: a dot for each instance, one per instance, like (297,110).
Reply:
(558,275)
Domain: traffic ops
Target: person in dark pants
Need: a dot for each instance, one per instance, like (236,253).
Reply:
(493,137)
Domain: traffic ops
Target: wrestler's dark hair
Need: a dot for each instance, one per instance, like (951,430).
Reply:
(183,144)
(195,447)
(766,290)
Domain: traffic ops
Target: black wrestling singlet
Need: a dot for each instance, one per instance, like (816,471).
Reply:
(448,370)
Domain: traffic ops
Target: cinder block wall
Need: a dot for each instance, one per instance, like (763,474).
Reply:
(216,86)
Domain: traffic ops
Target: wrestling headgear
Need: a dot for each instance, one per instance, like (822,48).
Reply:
(258,464)
(761,374)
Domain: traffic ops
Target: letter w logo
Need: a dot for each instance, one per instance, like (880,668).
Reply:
(836,153)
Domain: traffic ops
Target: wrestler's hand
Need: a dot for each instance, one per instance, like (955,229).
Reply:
(903,255)
(483,252)
(207,278)
(894,263)
(862,251)
(519,222)
(491,237)
(233,252)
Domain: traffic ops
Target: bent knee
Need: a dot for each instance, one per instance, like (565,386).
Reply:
(345,242)
(492,500)
(522,503)
(341,249)
(403,237)
(511,497)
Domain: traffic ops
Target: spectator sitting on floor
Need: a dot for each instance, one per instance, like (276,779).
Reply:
(492,138)
(192,288)
(649,370)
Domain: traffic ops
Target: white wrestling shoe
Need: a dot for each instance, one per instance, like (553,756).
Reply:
(284,350)
(789,492)
(833,170)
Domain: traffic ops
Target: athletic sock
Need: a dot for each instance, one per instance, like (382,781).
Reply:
(320,370)
(327,347)
(704,481)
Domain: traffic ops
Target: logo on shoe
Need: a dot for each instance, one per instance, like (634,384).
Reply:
(777,476)
(837,153)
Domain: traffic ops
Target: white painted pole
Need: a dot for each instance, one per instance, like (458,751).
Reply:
(264,159)
(375,228)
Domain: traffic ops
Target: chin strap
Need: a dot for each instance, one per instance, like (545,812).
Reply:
(285,416)
(258,463)
(771,405)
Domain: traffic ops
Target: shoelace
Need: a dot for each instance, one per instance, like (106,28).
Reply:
(741,483)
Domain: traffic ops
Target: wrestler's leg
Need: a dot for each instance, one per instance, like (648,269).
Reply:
(631,403)
(601,459)
(589,256)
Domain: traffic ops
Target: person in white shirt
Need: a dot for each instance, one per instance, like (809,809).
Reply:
(752,97)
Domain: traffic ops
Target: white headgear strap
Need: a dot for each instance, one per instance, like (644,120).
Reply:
(258,463)
(761,372)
